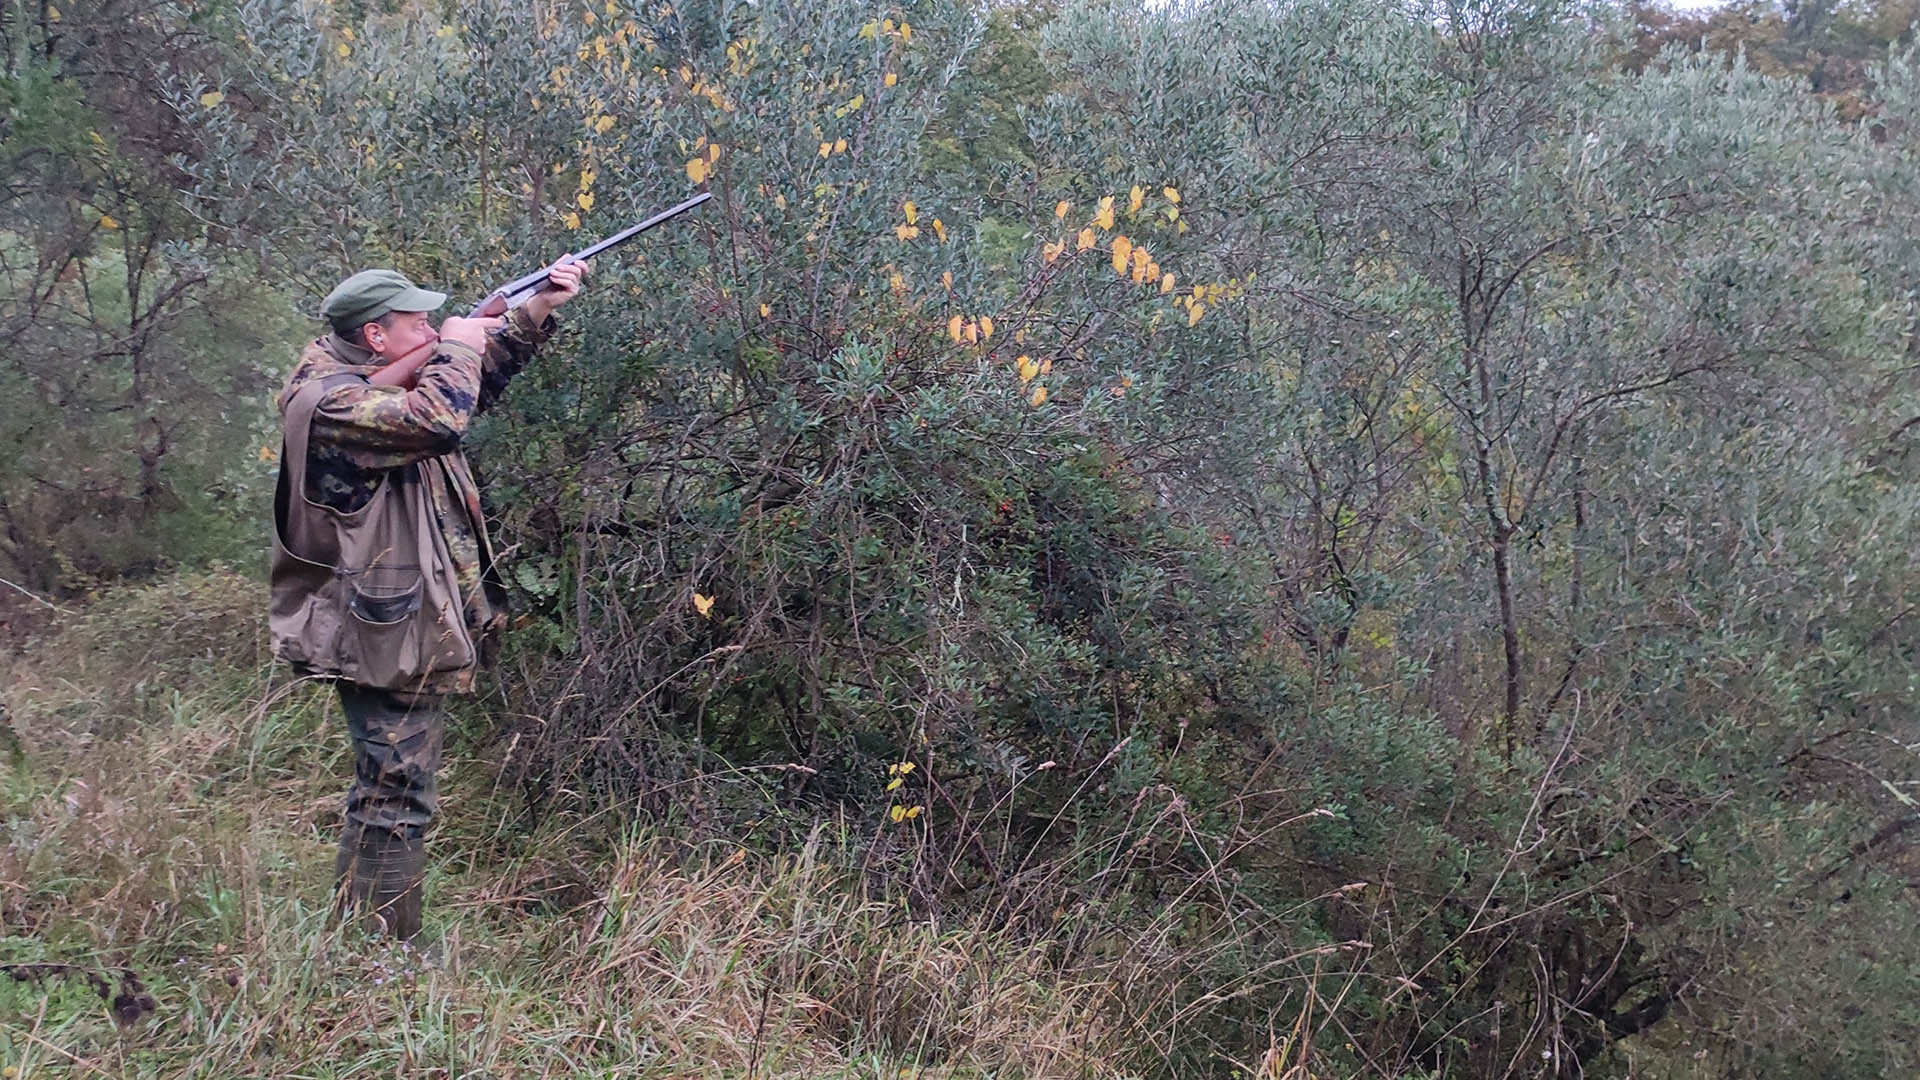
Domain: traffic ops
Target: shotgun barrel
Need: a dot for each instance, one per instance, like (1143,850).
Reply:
(516,292)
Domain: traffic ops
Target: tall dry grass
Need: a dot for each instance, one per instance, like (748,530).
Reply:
(164,884)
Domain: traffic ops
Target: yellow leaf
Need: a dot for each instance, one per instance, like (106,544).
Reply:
(347,32)
(886,26)
(559,167)
(906,767)
(1134,199)
(890,79)
(1172,194)
(703,605)
(584,200)
(587,177)
(1104,218)
(869,30)
(212,98)
(906,232)
(107,222)
(906,32)
(897,283)
(911,212)
(858,100)
(766,311)
(1122,251)
(898,813)
(894,783)
(1046,366)
(986,327)
(1141,259)
(1194,312)
(1085,240)
(1039,395)
(343,50)
(697,170)
(973,333)
(940,230)
(1152,271)
(826,148)
(1026,368)
(571,220)
(914,812)
(1173,213)
(713,153)
(1061,209)
(268,453)
(954,326)
(839,146)
(1052,250)
(946,278)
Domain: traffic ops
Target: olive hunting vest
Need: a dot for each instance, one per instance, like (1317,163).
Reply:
(369,596)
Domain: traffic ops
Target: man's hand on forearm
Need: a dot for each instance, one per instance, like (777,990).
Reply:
(563,284)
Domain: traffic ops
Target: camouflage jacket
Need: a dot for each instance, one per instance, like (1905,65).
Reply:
(360,431)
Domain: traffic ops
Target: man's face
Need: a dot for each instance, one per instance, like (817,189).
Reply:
(411,330)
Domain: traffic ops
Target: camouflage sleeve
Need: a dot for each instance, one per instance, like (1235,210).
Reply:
(508,350)
(381,427)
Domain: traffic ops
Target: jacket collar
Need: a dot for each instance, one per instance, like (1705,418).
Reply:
(330,355)
(346,352)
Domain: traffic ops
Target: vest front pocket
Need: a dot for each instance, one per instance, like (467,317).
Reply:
(383,635)
(382,596)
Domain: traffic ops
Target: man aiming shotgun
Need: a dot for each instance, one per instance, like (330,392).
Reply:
(383,577)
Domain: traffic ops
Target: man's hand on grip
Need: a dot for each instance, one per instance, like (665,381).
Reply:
(469,332)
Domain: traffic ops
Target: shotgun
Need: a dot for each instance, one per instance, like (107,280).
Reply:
(516,292)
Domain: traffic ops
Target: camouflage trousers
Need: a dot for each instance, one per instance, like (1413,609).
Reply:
(396,752)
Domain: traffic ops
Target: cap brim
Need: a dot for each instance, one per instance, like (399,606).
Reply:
(416,299)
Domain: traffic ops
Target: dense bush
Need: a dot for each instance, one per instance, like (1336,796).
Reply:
(139,346)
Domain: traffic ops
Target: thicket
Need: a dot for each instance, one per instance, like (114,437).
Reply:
(1389,516)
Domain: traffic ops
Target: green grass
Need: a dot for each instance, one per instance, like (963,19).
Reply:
(168,838)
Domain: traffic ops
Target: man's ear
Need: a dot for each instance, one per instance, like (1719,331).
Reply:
(374,335)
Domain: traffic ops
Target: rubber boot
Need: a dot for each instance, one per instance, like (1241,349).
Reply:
(380,876)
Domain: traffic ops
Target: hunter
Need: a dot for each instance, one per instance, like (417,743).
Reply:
(383,578)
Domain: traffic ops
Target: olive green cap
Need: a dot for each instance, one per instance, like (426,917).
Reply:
(370,294)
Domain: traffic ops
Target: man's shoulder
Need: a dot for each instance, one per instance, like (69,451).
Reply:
(316,362)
